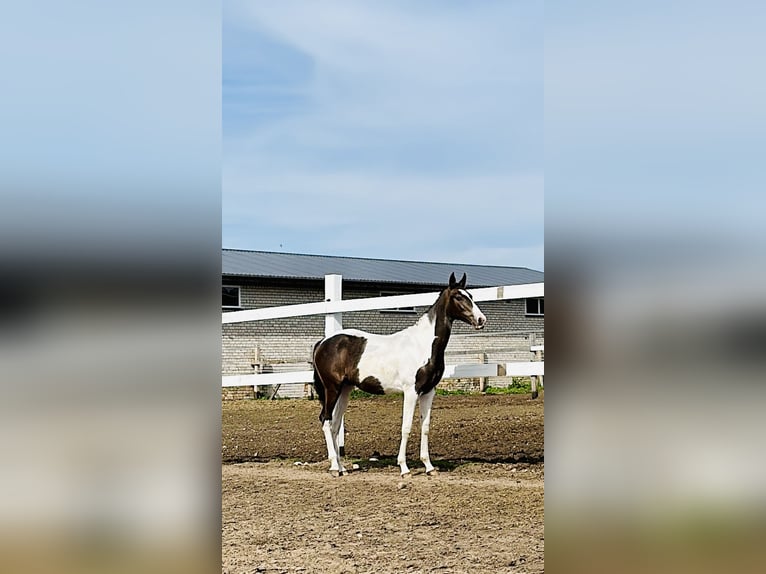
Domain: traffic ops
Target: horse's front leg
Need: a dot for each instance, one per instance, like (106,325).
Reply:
(426,400)
(410,398)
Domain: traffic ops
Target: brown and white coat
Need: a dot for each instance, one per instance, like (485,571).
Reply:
(409,361)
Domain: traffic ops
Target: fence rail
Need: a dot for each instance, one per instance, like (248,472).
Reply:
(461,371)
(377,303)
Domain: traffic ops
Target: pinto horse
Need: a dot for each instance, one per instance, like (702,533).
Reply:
(409,361)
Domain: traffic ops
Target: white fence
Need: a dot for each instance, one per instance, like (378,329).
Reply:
(334,306)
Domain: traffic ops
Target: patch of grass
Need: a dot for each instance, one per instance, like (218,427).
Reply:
(508,390)
(519,386)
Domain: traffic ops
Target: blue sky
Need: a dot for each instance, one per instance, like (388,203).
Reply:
(394,130)
(654,117)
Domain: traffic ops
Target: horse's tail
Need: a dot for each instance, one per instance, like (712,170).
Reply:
(318,385)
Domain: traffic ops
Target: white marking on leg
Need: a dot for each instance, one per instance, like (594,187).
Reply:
(332,456)
(337,423)
(426,400)
(410,397)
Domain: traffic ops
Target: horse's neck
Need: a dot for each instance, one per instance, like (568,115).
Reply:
(431,333)
(442,331)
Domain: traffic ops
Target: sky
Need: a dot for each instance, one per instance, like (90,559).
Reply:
(654,118)
(391,130)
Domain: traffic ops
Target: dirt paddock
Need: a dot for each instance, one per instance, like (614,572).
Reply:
(483,512)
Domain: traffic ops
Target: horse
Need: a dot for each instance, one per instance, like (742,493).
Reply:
(409,361)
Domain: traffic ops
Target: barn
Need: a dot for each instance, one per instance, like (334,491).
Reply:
(256,279)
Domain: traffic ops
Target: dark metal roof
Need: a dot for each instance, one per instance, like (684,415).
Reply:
(294,266)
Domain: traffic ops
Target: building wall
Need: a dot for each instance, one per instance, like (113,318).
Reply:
(286,344)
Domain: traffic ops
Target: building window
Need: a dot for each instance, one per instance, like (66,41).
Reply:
(535,307)
(403,310)
(230,298)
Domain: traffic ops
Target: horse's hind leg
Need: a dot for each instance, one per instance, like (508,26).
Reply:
(331,394)
(337,423)
(332,456)
(426,400)
(408,411)
(327,420)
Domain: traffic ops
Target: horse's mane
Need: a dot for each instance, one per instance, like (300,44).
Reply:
(432,309)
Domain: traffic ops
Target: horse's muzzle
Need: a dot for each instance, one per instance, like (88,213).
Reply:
(479,323)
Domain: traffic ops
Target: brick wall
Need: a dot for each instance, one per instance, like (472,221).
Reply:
(237,393)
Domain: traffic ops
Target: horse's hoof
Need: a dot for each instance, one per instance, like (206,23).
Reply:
(433,472)
(335,473)
(406,475)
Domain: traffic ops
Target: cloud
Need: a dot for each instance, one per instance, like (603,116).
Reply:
(381,75)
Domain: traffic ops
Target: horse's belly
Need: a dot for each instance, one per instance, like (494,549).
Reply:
(393,376)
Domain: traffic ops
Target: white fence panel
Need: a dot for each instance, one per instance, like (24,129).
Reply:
(264,379)
(524,369)
(461,371)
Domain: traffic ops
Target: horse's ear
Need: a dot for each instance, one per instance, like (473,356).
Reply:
(461,283)
(452,281)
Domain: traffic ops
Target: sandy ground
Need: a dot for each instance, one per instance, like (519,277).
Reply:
(482,513)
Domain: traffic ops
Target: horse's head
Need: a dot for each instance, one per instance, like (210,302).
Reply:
(460,305)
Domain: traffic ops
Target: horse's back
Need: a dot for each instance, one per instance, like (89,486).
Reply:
(337,357)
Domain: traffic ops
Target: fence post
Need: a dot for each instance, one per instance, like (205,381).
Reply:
(482,380)
(533,378)
(539,357)
(333,322)
(333,291)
